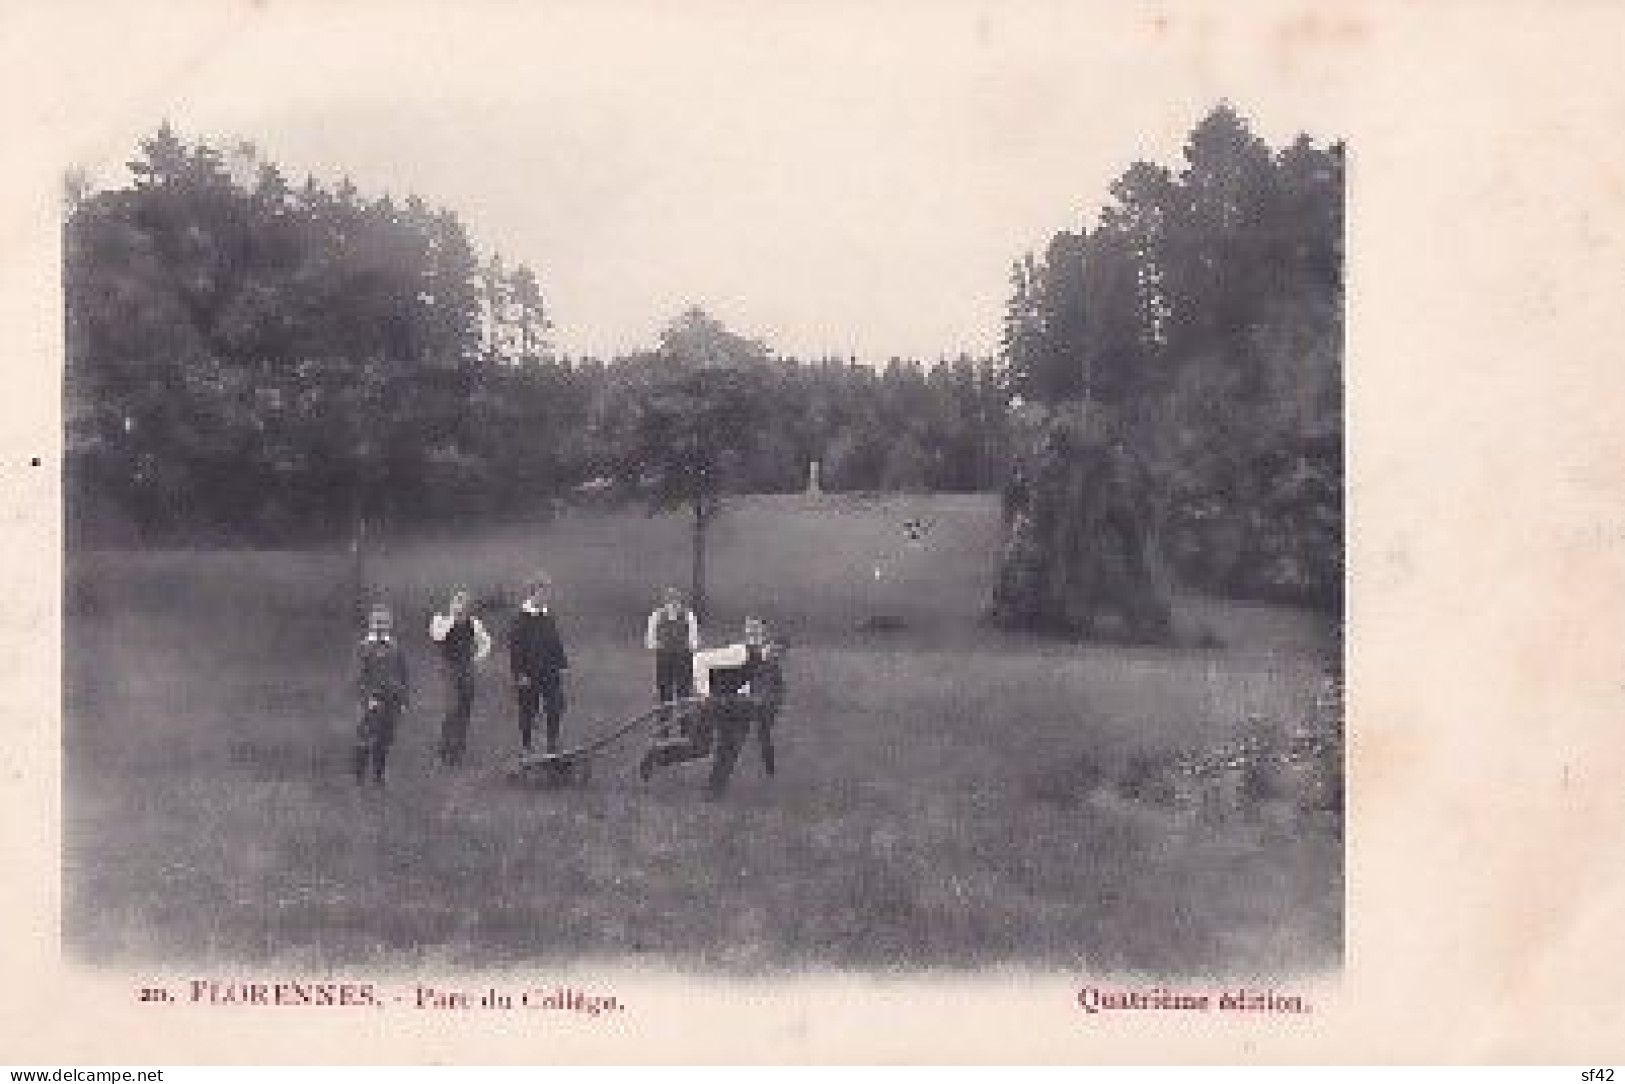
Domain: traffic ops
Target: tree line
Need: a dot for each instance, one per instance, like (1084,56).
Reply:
(251,360)
(1195,326)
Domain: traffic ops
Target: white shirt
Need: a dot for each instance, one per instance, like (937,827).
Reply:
(650,640)
(440,625)
(717,658)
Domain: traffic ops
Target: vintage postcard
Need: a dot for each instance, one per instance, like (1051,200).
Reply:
(792,533)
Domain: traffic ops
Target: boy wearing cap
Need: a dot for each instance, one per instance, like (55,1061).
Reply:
(384,690)
(537,661)
(463,643)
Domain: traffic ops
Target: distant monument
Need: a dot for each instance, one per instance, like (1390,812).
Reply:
(813,488)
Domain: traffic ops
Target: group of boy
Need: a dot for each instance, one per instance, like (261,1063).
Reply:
(537,662)
(711,699)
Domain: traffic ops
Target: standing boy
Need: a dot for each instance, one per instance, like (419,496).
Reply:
(673,635)
(537,660)
(463,643)
(381,683)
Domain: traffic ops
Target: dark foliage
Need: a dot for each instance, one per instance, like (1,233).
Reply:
(1203,311)
(253,362)
(1077,529)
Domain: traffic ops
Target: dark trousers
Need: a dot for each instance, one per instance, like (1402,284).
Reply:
(720,732)
(731,741)
(374,737)
(674,675)
(459,709)
(544,691)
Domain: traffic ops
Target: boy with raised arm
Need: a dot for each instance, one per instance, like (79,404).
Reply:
(463,643)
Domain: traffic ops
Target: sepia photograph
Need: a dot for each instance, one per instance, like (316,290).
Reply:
(738,500)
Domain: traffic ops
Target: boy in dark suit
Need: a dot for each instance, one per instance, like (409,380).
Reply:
(537,660)
(384,690)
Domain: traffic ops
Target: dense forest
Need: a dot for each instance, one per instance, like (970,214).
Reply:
(1193,333)
(253,361)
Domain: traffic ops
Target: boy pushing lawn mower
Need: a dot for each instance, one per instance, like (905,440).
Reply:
(743,688)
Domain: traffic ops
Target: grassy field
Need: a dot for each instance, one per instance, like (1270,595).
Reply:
(915,821)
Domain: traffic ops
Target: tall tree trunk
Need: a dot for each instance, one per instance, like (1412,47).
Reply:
(358,552)
(697,585)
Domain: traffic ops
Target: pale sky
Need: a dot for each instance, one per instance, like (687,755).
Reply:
(833,178)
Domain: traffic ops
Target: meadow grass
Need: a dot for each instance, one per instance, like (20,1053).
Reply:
(915,822)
